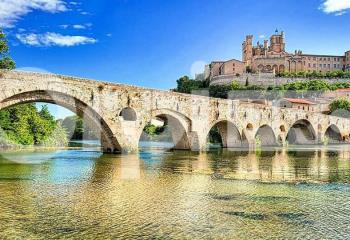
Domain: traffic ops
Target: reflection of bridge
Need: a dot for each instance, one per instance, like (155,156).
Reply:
(120,113)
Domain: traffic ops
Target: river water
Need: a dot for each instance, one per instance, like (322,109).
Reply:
(159,194)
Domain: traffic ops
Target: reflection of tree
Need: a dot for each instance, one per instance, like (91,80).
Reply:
(269,166)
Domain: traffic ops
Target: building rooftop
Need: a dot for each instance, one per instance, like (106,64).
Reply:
(299,101)
(343,90)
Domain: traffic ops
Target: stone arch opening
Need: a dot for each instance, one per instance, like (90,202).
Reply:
(249,126)
(333,134)
(301,132)
(266,136)
(91,118)
(166,130)
(128,114)
(282,128)
(225,134)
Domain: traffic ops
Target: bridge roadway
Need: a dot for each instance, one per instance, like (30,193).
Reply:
(118,113)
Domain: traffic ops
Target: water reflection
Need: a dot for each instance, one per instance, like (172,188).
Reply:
(178,195)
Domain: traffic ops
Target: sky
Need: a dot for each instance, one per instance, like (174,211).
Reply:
(151,43)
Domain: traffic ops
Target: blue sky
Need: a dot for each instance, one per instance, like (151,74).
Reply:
(151,43)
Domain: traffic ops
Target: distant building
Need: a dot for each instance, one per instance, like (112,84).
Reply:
(231,67)
(343,92)
(272,57)
(297,103)
(316,105)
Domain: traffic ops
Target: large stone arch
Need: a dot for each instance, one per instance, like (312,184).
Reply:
(266,136)
(333,134)
(301,132)
(230,134)
(180,127)
(95,122)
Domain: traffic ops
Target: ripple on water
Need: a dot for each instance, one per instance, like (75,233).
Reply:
(175,195)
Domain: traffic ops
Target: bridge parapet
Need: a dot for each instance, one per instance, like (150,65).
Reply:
(192,116)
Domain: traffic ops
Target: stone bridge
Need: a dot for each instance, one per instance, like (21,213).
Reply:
(120,113)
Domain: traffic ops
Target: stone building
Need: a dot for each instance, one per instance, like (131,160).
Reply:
(231,67)
(272,57)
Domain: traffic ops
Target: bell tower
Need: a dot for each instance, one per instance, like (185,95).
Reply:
(247,51)
(277,42)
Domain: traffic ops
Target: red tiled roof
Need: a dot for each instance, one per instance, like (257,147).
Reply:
(299,100)
(343,90)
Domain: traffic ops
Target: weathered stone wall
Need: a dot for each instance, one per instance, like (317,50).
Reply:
(190,116)
(262,79)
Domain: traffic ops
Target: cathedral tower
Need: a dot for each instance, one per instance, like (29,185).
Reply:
(247,51)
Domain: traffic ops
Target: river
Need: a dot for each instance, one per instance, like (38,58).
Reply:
(159,194)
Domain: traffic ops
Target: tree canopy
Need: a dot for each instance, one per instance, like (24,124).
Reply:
(26,125)
(340,107)
(6,61)
(307,88)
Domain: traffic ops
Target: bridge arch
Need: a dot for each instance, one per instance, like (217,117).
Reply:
(333,134)
(301,132)
(93,119)
(179,126)
(266,136)
(229,133)
(128,114)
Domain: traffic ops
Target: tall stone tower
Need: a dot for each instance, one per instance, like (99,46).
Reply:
(277,43)
(247,51)
(347,61)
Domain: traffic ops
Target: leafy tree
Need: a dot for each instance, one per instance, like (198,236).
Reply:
(26,125)
(187,85)
(340,107)
(5,60)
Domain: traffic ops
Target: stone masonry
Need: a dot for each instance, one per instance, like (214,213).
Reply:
(120,113)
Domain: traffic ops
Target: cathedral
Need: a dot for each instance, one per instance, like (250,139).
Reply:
(272,57)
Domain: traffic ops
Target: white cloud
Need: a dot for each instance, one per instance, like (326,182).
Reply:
(12,10)
(78,26)
(262,36)
(338,7)
(53,39)
(64,26)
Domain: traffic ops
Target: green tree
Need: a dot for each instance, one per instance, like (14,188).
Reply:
(5,60)
(187,85)
(26,125)
(340,107)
